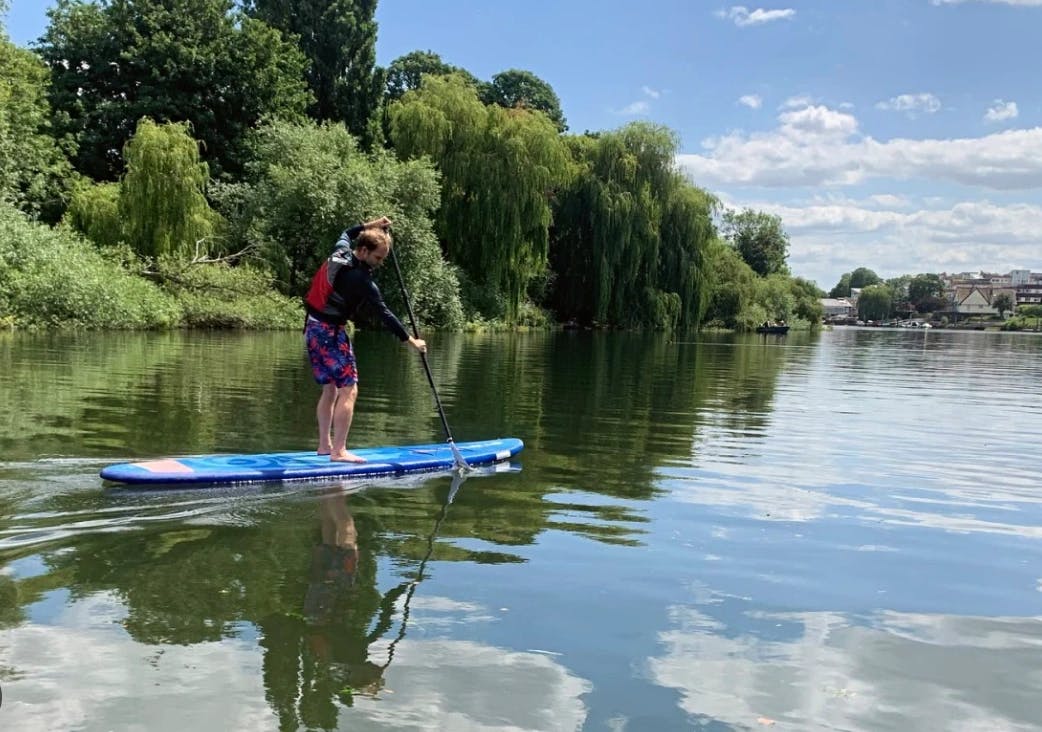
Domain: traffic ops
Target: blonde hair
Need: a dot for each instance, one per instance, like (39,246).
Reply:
(373,239)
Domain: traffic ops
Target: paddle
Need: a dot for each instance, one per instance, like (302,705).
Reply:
(461,464)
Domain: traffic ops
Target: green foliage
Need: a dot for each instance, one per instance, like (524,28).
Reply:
(759,238)
(162,202)
(924,287)
(94,212)
(311,182)
(34,173)
(406,72)
(215,295)
(339,40)
(733,289)
(864,277)
(516,88)
(875,302)
(1003,303)
(630,232)
(171,60)
(808,296)
(499,168)
(53,278)
(842,288)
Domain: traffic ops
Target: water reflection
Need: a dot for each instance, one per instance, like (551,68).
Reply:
(822,670)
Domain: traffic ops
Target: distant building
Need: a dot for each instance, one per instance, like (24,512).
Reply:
(974,292)
(978,300)
(838,307)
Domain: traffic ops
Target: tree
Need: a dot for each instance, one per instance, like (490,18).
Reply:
(760,239)
(629,231)
(499,168)
(312,181)
(842,288)
(406,72)
(191,61)
(925,287)
(517,88)
(339,39)
(874,302)
(1003,303)
(34,172)
(162,199)
(863,277)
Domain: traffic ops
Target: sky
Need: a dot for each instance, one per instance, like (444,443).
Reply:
(900,135)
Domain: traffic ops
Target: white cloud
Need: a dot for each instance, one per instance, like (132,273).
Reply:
(752,101)
(912,103)
(641,106)
(828,238)
(743,17)
(815,145)
(635,108)
(796,102)
(1001,111)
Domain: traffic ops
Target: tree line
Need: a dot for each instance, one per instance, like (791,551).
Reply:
(204,154)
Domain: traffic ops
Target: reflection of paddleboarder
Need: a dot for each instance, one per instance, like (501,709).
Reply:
(331,600)
(320,657)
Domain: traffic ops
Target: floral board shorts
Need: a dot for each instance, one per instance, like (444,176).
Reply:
(329,348)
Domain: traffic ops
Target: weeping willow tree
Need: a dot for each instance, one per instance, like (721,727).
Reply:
(499,168)
(630,233)
(162,202)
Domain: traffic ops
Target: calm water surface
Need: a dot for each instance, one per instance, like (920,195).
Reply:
(841,531)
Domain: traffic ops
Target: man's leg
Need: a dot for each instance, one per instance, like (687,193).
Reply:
(343,413)
(324,413)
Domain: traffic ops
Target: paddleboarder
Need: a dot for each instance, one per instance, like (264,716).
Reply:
(342,285)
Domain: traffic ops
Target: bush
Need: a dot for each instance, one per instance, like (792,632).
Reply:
(52,277)
(216,295)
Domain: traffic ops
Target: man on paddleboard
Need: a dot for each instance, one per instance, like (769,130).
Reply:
(342,285)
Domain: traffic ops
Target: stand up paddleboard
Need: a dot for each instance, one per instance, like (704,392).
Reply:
(307,465)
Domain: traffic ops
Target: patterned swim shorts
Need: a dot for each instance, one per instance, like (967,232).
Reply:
(329,348)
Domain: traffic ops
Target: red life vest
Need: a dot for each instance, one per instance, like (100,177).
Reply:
(322,300)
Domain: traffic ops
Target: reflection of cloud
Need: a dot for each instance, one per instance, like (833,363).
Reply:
(85,672)
(910,672)
(461,685)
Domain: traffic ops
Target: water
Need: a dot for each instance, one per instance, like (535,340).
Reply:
(840,531)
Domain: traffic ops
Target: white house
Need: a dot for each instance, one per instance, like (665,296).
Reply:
(838,307)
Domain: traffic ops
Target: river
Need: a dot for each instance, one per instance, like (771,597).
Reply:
(815,531)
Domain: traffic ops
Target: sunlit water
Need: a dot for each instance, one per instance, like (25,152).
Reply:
(840,531)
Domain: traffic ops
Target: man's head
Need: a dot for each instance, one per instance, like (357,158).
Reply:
(372,246)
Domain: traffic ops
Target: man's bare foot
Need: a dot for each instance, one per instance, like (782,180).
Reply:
(346,457)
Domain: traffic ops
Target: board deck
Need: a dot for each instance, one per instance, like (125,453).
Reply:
(394,460)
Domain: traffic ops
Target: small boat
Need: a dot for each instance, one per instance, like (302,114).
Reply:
(775,329)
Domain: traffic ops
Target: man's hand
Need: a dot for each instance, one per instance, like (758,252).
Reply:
(381,223)
(419,345)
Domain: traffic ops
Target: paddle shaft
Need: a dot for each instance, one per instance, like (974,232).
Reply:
(423,356)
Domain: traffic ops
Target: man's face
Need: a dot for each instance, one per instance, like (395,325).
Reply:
(375,257)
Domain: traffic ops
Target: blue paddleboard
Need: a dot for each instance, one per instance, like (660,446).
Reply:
(308,465)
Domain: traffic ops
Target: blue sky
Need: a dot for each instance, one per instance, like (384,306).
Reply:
(901,135)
